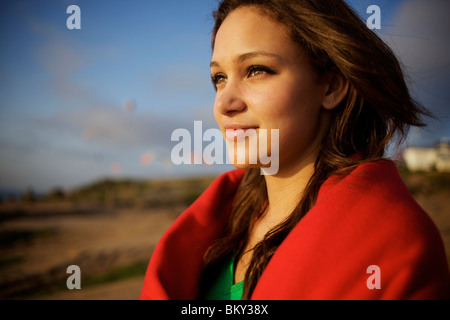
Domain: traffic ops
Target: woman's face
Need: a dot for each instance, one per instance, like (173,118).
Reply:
(266,81)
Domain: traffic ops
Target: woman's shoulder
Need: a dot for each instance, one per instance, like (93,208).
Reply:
(232,177)
(215,201)
(378,184)
(223,187)
(369,217)
(374,197)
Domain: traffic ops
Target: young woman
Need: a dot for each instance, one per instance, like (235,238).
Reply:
(335,221)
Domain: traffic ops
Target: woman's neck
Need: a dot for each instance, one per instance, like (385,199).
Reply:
(285,189)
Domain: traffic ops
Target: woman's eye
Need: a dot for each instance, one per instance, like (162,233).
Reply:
(255,71)
(218,79)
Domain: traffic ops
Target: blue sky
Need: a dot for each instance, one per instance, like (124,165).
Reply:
(79,105)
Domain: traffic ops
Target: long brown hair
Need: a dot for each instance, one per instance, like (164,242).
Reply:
(378,107)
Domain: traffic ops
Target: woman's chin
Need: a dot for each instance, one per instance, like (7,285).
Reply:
(244,165)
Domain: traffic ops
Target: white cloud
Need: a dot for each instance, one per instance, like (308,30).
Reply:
(112,126)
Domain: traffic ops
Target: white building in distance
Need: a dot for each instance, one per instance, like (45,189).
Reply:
(429,159)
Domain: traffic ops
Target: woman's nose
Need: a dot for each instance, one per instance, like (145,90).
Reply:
(229,99)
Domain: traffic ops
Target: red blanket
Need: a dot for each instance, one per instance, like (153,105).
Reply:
(366,238)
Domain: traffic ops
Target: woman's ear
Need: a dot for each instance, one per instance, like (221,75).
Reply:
(337,90)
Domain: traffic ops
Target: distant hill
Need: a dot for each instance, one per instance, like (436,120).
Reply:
(133,193)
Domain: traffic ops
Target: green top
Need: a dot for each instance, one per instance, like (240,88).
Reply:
(223,288)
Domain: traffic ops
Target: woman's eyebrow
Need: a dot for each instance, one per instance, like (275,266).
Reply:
(245,56)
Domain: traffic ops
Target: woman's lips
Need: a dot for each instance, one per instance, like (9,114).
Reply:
(235,131)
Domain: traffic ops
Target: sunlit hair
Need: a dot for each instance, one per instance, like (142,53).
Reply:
(378,109)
